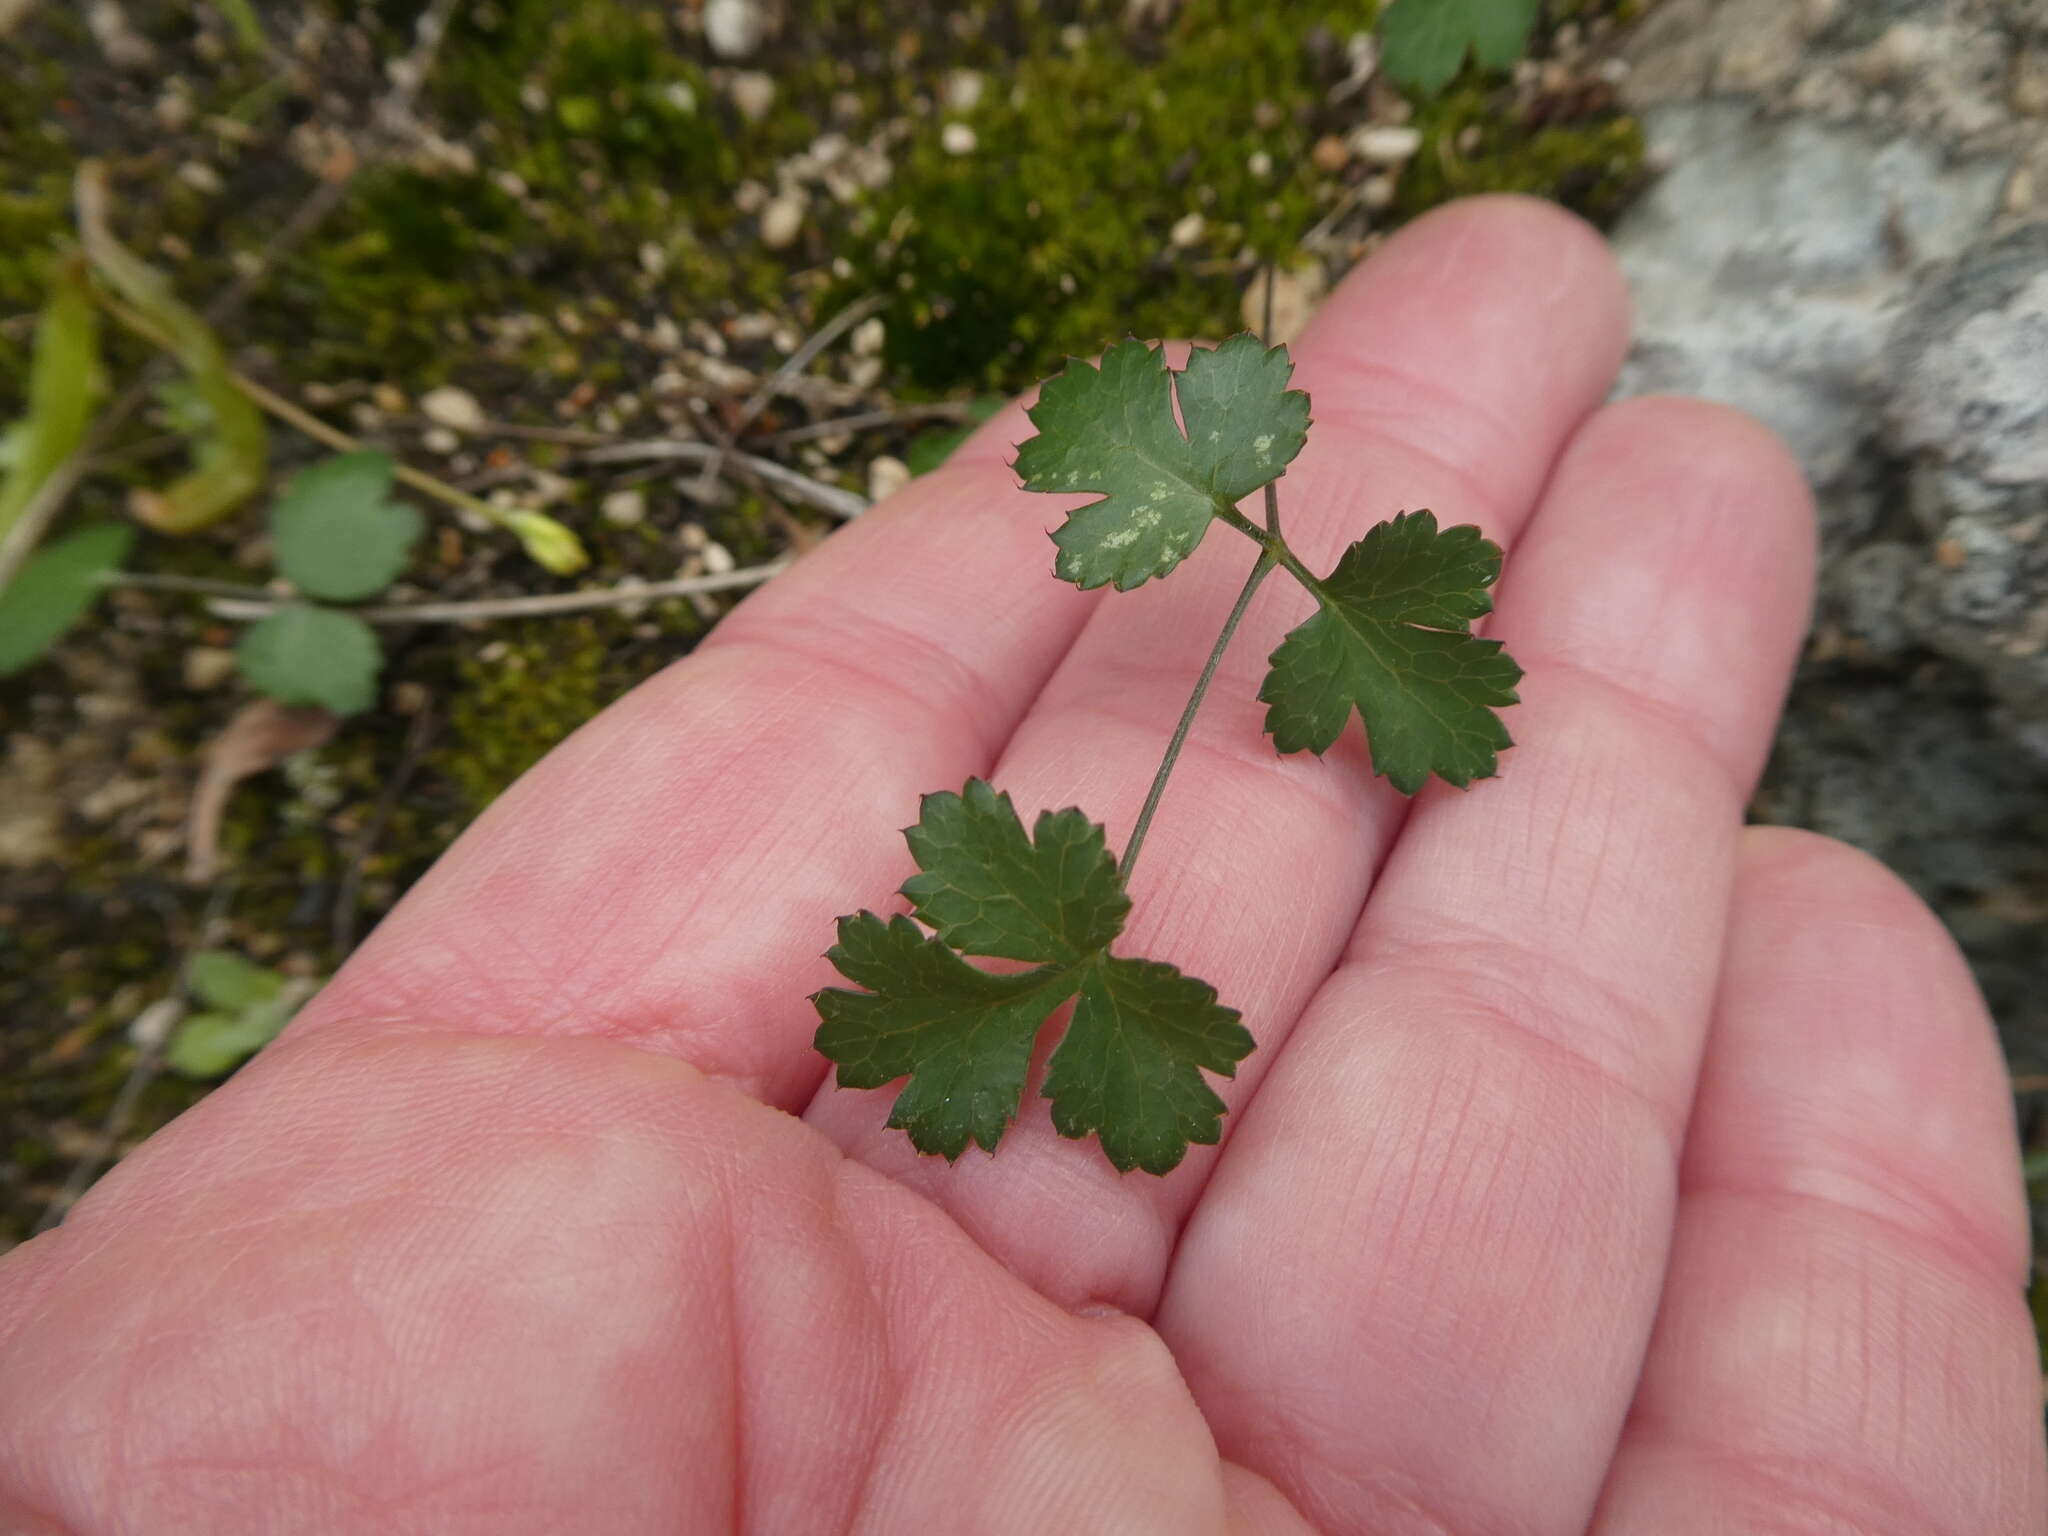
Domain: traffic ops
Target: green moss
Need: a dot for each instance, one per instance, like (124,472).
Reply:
(1591,166)
(35,204)
(1055,232)
(521,692)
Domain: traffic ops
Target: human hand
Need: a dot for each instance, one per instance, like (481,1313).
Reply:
(1602,1165)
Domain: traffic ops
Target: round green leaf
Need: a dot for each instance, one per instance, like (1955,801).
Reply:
(223,979)
(336,535)
(211,1044)
(53,591)
(305,655)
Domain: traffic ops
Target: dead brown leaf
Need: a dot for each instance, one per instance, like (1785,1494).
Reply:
(262,735)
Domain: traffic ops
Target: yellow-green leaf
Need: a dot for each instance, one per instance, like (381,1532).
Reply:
(230,458)
(550,544)
(64,385)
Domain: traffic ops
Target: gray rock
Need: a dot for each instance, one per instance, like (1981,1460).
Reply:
(1910,768)
(1966,375)
(1968,364)
(1864,594)
(1842,248)
(1770,262)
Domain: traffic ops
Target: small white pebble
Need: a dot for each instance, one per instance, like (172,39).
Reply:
(1260,164)
(1188,230)
(753,93)
(624,509)
(1386,143)
(173,109)
(440,440)
(208,666)
(886,476)
(734,28)
(782,221)
(200,176)
(868,336)
(717,558)
(153,1026)
(963,90)
(1362,53)
(957,139)
(452,407)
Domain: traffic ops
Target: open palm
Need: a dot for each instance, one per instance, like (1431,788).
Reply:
(1603,1166)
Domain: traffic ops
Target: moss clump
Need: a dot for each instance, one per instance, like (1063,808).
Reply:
(522,693)
(1590,166)
(1055,231)
(35,204)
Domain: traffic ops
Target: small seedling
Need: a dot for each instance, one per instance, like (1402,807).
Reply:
(1391,640)
(338,536)
(305,655)
(244,1007)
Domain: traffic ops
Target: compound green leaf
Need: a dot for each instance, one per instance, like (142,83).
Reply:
(1423,42)
(1392,639)
(962,1035)
(53,591)
(337,535)
(1111,428)
(306,655)
(1129,1067)
(987,889)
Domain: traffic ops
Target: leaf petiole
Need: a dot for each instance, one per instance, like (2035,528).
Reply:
(1273,551)
(1269,539)
(1265,564)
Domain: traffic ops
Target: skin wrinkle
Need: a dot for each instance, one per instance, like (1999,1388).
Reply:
(1492,998)
(946,696)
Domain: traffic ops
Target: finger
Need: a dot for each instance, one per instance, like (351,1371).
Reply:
(450,1284)
(1447,1210)
(1447,372)
(670,874)
(1843,1342)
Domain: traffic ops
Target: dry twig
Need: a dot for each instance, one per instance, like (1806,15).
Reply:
(790,482)
(804,356)
(260,604)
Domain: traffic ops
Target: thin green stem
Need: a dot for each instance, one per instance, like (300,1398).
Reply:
(1265,563)
(1274,545)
